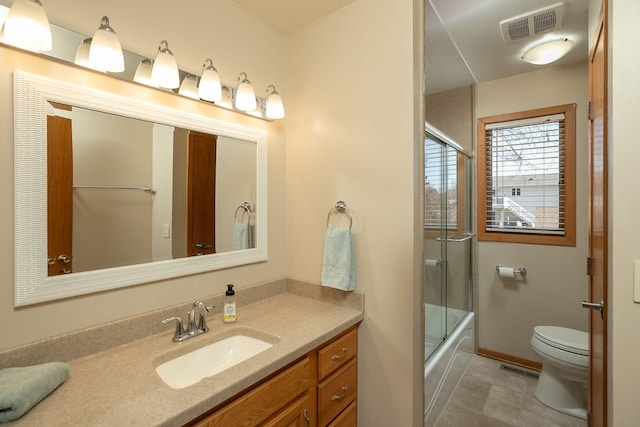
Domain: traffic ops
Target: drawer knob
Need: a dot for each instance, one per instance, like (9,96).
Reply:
(341,395)
(345,350)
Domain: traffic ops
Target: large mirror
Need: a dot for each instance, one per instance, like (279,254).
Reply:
(116,208)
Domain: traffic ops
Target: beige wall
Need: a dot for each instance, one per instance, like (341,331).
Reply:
(556,280)
(258,49)
(624,210)
(451,112)
(351,135)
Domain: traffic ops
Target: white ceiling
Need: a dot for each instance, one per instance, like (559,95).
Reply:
(289,15)
(463,43)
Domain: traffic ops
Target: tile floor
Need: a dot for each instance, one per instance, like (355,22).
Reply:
(488,396)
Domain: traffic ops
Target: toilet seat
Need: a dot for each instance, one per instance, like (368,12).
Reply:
(564,339)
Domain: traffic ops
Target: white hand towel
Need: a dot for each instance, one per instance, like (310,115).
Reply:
(338,263)
(241,235)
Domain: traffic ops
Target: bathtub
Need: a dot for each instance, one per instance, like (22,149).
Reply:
(444,368)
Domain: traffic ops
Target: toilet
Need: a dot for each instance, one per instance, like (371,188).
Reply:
(562,384)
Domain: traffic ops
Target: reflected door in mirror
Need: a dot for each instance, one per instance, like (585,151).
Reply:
(59,194)
(201,194)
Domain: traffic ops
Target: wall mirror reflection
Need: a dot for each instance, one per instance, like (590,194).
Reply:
(132,191)
(124,191)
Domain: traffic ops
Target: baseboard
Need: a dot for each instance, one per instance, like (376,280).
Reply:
(512,360)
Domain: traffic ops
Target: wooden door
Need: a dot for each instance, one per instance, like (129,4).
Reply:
(201,185)
(59,195)
(598,199)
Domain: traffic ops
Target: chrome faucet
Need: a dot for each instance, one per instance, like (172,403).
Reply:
(193,329)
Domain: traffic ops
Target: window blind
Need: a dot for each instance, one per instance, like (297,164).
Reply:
(525,175)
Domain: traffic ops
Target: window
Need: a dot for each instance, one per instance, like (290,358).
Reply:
(526,177)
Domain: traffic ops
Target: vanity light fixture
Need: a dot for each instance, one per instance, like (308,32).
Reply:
(210,88)
(165,68)
(274,109)
(27,26)
(105,53)
(82,54)
(143,73)
(548,52)
(227,98)
(245,96)
(189,87)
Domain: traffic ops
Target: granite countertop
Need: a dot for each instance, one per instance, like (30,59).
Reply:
(119,386)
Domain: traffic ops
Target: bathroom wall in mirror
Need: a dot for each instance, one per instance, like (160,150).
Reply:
(113,191)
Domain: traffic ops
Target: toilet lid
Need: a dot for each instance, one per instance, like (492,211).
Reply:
(564,338)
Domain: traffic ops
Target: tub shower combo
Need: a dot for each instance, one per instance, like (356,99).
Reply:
(448,316)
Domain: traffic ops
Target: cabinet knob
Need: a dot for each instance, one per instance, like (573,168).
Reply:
(345,350)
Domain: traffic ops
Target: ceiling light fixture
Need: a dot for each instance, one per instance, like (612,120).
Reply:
(548,52)
(245,96)
(210,88)
(27,26)
(105,53)
(165,68)
(274,108)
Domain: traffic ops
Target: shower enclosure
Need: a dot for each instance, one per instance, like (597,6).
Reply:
(448,316)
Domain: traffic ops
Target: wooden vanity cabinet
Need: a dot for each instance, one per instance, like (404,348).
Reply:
(318,390)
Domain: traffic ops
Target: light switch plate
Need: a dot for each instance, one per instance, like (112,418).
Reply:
(636,281)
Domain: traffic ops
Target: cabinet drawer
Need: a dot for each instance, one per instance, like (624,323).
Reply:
(347,418)
(263,401)
(337,392)
(337,353)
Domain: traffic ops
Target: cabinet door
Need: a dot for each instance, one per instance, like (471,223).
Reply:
(257,405)
(297,414)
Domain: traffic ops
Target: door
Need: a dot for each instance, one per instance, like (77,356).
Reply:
(59,194)
(598,199)
(201,194)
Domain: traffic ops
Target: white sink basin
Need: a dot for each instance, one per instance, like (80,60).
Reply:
(207,361)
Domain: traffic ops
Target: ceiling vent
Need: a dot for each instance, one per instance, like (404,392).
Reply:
(533,23)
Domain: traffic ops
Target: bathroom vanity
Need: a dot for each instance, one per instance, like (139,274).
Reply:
(309,372)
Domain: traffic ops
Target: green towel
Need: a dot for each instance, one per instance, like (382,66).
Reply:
(22,388)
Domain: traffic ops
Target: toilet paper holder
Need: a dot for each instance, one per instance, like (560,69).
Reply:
(520,271)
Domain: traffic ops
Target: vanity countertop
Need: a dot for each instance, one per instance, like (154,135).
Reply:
(119,386)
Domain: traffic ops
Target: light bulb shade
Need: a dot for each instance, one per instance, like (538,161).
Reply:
(274,106)
(210,88)
(82,54)
(105,53)
(548,52)
(165,68)
(27,26)
(245,96)
(143,73)
(189,87)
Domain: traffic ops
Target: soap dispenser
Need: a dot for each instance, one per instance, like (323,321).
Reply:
(229,305)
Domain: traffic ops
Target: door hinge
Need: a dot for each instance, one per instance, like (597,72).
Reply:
(588,418)
(589,266)
(589,110)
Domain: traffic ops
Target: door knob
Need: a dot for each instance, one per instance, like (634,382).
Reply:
(595,306)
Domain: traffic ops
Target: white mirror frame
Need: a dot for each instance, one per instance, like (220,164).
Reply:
(32,283)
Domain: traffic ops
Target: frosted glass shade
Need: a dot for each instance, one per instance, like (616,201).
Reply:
(143,73)
(548,52)
(275,108)
(245,96)
(105,53)
(210,88)
(189,87)
(165,68)
(27,26)
(82,54)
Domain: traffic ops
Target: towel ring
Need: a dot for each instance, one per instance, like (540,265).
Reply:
(245,207)
(340,207)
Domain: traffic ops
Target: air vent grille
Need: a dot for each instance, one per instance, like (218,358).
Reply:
(533,23)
